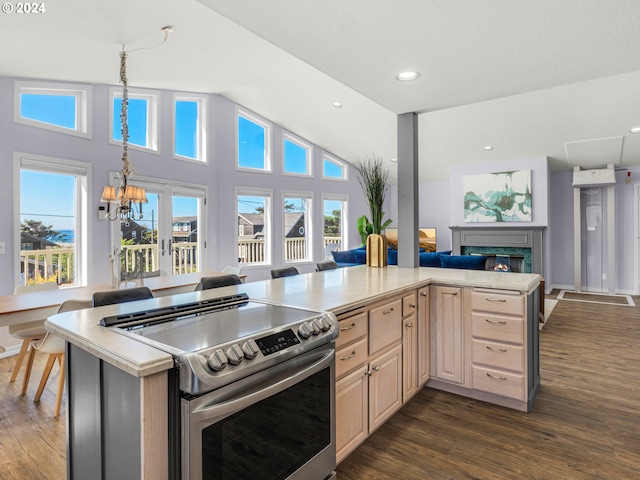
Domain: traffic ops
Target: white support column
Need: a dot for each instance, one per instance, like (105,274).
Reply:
(577,241)
(611,239)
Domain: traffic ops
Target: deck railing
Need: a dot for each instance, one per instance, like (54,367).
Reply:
(252,251)
(47,265)
(184,257)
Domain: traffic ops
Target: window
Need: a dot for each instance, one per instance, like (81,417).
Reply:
(334,169)
(296,157)
(52,227)
(254,147)
(297,226)
(190,127)
(143,119)
(254,226)
(63,108)
(335,219)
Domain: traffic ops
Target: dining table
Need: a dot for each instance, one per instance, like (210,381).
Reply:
(27,307)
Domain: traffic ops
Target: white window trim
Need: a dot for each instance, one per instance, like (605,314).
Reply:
(308,218)
(287,136)
(84,103)
(153,118)
(268,164)
(84,226)
(201,141)
(344,217)
(345,165)
(267,193)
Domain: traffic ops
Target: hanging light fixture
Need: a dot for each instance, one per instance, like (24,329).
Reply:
(124,201)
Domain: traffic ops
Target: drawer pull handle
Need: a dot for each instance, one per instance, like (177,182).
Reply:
(423,294)
(347,357)
(344,329)
(496,322)
(501,350)
(408,325)
(412,305)
(386,312)
(498,300)
(454,292)
(502,379)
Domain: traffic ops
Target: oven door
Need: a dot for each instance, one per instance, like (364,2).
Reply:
(276,424)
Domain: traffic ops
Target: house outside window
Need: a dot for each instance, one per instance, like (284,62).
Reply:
(335,223)
(52,228)
(297,226)
(254,226)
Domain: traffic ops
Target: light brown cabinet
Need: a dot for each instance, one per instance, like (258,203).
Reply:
(410,352)
(448,335)
(424,336)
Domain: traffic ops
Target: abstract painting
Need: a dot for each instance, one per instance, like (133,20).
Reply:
(498,197)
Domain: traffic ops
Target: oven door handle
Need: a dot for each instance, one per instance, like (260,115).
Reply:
(242,398)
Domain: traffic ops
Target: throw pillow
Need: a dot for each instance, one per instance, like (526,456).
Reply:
(344,257)
(429,259)
(360,255)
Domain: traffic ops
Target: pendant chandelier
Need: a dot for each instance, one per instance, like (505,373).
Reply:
(124,201)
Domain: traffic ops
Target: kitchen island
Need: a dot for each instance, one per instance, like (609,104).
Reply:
(452,308)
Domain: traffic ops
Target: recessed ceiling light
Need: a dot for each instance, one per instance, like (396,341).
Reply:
(635,130)
(407,76)
(487,148)
(337,105)
(394,160)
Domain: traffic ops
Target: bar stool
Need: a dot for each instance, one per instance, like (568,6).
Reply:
(125,295)
(207,283)
(326,265)
(284,272)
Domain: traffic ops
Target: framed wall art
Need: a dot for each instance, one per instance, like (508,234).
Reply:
(498,197)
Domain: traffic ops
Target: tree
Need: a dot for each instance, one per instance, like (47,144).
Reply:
(38,229)
(332,224)
(288,207)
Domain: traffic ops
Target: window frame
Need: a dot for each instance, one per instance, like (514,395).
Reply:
(153,118)
(201,126)
(267,194)
(344,218)
(268,157)
(290,137)
(332,159)
(84,104)
(308,226)
(84,220)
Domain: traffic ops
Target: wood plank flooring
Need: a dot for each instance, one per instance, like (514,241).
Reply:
(585,424)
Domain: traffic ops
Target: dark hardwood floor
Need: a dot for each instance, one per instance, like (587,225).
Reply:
(585,423)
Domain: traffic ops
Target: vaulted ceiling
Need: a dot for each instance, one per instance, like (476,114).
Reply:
(529,78)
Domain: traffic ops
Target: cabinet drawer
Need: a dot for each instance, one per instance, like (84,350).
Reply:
(510,385)
(351,329)
(495,327)
(350,357)
(385,326)
(497,302)
(498,355)
(409,304)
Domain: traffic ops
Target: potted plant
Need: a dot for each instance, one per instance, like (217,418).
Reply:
(373,177)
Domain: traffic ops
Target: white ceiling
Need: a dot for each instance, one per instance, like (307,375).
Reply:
(531,78)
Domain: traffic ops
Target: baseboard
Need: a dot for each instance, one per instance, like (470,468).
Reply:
(572,288)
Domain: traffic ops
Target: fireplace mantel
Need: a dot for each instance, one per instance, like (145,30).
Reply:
(523,237)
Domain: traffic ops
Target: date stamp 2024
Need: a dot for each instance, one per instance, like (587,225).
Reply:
(24,8)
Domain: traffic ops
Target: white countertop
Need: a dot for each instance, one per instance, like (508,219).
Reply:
(337,291)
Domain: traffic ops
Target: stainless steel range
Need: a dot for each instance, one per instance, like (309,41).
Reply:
(256,386)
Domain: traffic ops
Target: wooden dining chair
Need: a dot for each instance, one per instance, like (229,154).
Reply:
(54,346)
(28,332)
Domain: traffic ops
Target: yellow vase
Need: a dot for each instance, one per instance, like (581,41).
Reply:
(376,250)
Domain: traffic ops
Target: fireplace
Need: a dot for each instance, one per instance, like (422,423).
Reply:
(516,248)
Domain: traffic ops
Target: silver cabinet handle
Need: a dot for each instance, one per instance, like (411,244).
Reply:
(344,329)
(423,294)
(498,300)
(376,368)
(412,305)
(496,322)
(454,292)
(502,379)
(386,312)
(501,350)
(408,325)
(347,357)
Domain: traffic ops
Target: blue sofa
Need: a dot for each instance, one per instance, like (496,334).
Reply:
(443,259)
